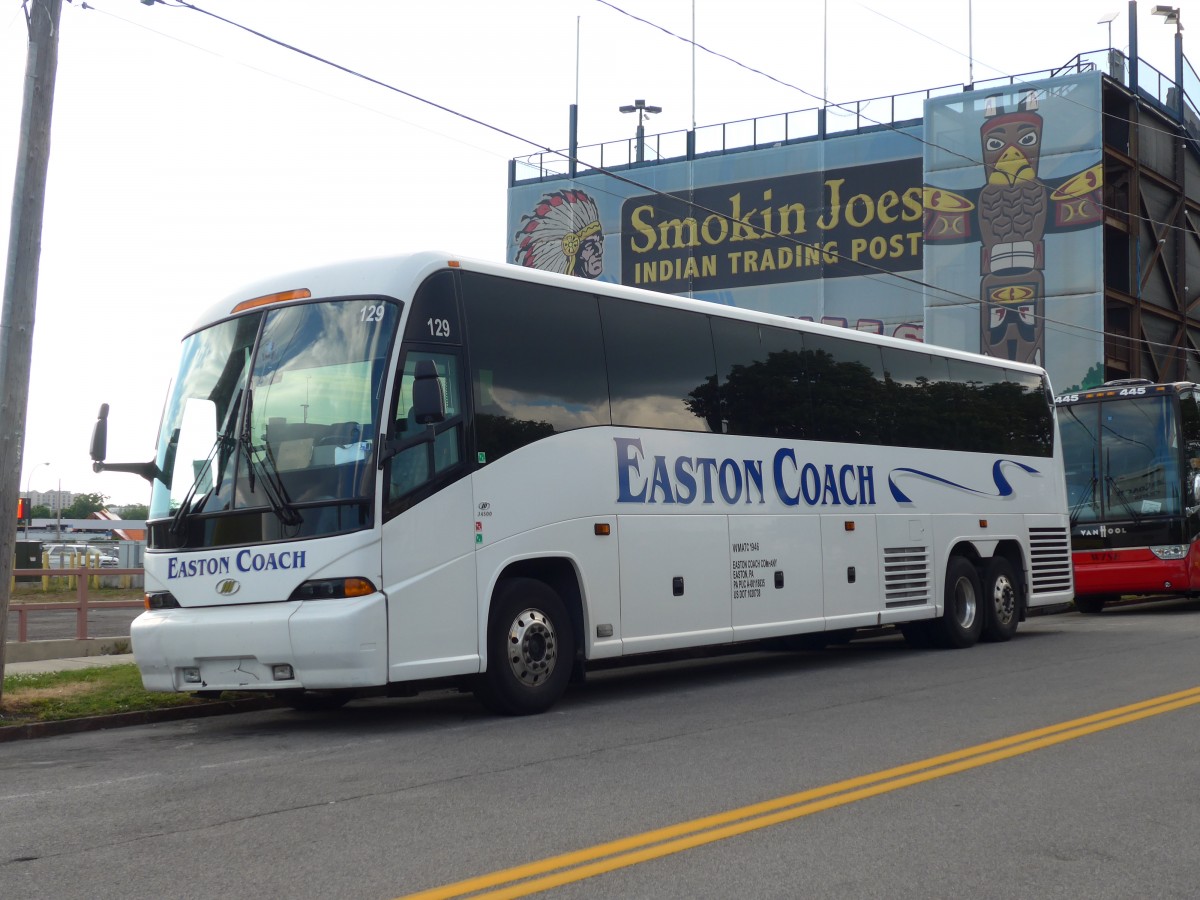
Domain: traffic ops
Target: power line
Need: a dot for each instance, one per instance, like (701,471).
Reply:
(903,280)
(1014,81)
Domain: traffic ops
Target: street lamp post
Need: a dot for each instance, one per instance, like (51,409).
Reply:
(28,483)
(1108,20)
(1115,66)
(640,107)
(1171,15)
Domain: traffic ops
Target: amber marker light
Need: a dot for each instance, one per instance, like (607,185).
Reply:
(983,523)
(602,529)
(453,263)
(358,587)
(849,526)
(281,297)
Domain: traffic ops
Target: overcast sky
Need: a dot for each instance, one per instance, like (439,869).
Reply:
(189,157)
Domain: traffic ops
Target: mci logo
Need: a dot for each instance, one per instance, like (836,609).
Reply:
(228,587)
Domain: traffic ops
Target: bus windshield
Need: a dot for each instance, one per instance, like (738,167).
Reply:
(1122,459)
(277,409)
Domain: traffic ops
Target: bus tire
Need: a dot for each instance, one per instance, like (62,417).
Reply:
(531,649)
(1001,600)
(961,622)
(1089,606)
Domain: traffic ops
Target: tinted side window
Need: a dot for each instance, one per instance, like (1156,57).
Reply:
(662,373)
(916,401)
(426,449)
(845,381)
(763,386)
(537,362)
(977,391)
(1189,420)
(1024,401)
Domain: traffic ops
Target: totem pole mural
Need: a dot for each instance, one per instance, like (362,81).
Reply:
(1011,215)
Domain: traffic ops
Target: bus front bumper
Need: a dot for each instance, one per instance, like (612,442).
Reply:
(326,645)
(1130,571)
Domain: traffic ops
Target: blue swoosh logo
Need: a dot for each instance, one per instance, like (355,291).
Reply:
(1003,488)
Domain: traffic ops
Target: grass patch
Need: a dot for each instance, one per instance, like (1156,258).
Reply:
(101,691)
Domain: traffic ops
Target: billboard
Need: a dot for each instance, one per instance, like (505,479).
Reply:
(978,228)
(816,230)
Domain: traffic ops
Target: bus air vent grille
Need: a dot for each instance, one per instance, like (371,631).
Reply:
(1049,560)
(905,576)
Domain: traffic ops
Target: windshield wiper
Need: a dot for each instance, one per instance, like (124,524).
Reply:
(1085,500)
(178,526)
(1120,494)
(272,484)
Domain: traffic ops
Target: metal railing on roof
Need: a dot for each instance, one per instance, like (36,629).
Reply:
(855,117)
(811,124)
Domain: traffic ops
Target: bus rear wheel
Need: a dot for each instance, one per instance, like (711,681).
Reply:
(962,619)
(531,649)
(1001,599)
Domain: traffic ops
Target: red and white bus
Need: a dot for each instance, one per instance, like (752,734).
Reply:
(1132,455)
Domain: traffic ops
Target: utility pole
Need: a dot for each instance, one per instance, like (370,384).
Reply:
(21,277)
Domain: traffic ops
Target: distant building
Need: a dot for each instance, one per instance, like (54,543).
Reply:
(54,500)
(1041,218)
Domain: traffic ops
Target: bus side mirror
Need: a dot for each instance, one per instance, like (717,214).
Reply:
(100,437)
(148,470)
(429,406)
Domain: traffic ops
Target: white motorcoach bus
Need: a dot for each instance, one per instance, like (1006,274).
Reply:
(381,475)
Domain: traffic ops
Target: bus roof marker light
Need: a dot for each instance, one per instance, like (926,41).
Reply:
(280,297)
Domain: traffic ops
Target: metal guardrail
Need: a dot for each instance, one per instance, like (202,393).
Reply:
(81,604)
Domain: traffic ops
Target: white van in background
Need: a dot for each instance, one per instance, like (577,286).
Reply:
(69,556)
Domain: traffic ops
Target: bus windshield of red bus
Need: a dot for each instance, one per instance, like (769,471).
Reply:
(1122,459)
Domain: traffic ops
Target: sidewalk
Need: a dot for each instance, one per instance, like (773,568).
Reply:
(41,666)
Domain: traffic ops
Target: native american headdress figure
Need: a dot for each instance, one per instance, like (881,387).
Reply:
(564,235)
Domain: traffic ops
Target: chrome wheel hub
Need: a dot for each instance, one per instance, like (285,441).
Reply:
(532,647)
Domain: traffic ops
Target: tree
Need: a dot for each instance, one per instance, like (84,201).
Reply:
(135,512)
(41,512)
(84,505)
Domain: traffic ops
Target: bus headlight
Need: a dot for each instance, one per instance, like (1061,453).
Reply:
(1170,551)
(333,589)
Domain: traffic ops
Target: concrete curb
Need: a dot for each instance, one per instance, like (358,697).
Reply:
(140,717)
(40,651)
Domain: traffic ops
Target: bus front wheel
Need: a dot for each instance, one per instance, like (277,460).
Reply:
(1001,600)
(530,646)
(962,620)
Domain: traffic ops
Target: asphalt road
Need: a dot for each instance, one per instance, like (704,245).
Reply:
(390,797)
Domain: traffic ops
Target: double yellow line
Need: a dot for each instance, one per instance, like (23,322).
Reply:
(532,878)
